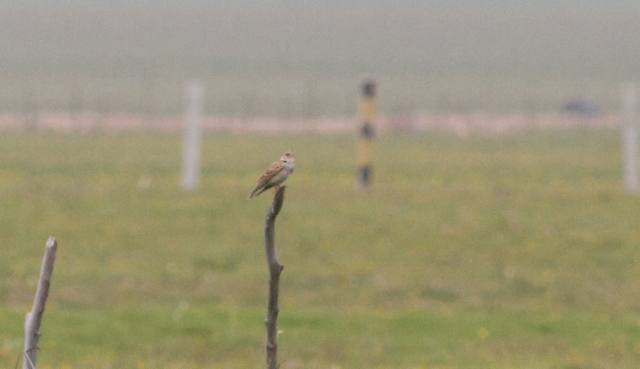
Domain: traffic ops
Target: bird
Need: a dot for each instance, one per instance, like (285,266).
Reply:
(277,173)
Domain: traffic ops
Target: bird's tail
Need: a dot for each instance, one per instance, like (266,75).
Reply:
(254,193)
(258,191)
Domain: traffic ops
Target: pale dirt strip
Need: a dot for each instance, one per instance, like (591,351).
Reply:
(459,124)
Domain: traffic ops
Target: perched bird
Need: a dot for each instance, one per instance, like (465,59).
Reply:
(275,175)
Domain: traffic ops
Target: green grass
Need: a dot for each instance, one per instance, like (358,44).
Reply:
(485,252)
(231,337)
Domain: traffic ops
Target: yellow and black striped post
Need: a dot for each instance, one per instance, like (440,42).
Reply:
(365,142)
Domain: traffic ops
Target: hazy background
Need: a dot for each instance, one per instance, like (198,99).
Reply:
(306,59)
(514,251)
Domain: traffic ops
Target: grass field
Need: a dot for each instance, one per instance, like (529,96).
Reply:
(513,251)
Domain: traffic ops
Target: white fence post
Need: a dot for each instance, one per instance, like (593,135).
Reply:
(630,137)
(192,137)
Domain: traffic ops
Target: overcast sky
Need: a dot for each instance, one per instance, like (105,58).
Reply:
(340,3)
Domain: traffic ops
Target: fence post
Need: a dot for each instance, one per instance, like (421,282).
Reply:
(365,144)
(275,268)
(34,317)
(192,137)
(630,137)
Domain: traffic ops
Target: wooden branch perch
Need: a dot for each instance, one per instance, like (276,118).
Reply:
(34,317)
(274,278)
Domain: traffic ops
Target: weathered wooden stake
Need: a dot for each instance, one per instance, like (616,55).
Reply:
(274,278)
(34,317)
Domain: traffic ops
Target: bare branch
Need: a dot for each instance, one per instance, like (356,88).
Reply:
(34,317)
(274,278)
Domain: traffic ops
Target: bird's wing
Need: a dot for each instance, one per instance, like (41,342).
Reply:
(273,169)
